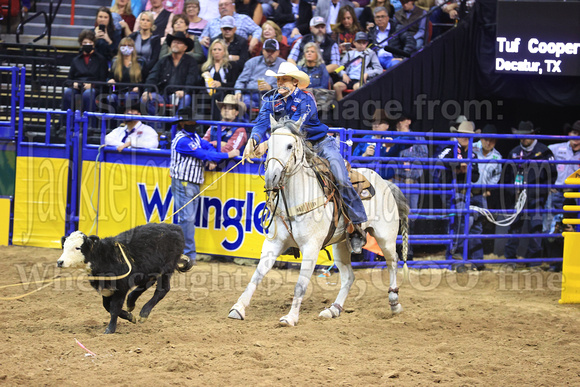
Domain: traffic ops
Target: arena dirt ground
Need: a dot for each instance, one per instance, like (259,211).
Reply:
(492,328)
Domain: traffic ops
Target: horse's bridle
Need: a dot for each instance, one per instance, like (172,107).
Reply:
(284,173)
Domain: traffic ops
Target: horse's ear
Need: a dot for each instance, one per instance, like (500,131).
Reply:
(273,121)
(300,122)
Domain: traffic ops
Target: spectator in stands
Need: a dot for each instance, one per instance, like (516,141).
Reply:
(219,72)
(172,72)
(147,45)
(313,65)
(406,176)
(137,6)
(253,76)
(245,26)
(251,8)
(458,172)
(407,15)
(328,10)
(489,173)
(381,123)
(448,13)
(208,9)
(196,23)
(569,150)
(173,6)
(107,38)
(161,19)
(271,30)
(380,34)
(328,47)
(231,138)
(189,153)
(367,18)
(353,62)
(237,46)
(133,133)
(528,173)
(179,24)
(89,66)
(126,68)
(285,14)
(345,29)
(123,17)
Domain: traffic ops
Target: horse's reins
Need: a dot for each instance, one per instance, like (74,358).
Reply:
(59,278)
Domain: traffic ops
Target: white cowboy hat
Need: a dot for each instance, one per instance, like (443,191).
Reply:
(288,69)
(466,127)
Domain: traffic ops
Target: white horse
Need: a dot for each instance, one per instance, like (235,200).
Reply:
(306,217)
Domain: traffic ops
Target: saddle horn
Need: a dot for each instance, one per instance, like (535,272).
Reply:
(273,121)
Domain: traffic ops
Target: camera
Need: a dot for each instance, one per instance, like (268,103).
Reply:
(102,27)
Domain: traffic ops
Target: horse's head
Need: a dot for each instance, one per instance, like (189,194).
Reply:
(285,150)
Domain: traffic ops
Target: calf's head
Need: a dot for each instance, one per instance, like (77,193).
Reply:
(75,249)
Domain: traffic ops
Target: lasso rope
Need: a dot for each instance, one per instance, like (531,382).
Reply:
(205,189)
(57,278)
(521,202)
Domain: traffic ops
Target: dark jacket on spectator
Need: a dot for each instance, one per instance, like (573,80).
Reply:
(367,16)
(404,41)
(164,73)
(283,13)
(304,15)
(533,173)
(161,23)
(239,46)
(96,70)
(453,168)
(150,53)
(402,20)
(325,47)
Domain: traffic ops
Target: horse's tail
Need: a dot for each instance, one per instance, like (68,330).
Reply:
(403,208)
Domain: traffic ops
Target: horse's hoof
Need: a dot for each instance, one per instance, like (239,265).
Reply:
(132,318)
(142,319)
(286,322)
(130,308)
(396,309)
(236,314)
(326,313)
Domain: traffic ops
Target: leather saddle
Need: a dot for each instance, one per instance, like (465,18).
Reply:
(361,184)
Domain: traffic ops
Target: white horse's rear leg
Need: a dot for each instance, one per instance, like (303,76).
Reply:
(341,255)
(270,251)
(387,240)
(309,257)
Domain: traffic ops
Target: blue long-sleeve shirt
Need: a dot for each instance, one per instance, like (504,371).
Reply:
(205,151)
(299,104)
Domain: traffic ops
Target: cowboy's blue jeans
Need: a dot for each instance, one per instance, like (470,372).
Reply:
(328,149)
(183,192)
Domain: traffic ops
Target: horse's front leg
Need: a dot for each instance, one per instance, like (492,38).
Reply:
(341,256)
(309,258)
(271,249)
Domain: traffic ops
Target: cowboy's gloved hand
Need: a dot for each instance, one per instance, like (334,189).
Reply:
(249,151)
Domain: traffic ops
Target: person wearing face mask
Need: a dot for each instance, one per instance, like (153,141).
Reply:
(89,66)
(189,154)
(133,134)
(289,100)
(126,68)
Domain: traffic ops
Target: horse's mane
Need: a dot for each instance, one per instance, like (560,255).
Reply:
(292,126)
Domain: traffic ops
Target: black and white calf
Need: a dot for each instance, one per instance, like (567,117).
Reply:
(154,251)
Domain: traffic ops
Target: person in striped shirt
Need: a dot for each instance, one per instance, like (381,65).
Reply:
(189,155)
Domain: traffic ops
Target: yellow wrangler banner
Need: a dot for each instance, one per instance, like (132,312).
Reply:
(40,198)
(228,220)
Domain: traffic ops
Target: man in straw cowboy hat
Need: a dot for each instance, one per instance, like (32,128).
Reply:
(458,172)
(290,100)
(532,172)
(189,153)
(232,138)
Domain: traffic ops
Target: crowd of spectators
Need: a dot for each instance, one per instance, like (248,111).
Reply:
(255,35)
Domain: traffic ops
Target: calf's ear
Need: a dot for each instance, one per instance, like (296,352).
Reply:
(62,240)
